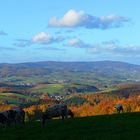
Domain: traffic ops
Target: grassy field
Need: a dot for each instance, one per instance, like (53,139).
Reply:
(109,127)
(14,98)
(49,88)
(62,89)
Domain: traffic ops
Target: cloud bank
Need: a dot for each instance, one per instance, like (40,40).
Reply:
(116,49)
(108,47)
(73,18)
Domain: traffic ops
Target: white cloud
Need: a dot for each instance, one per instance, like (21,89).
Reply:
(76,42)
(46,38)
(73,18)
(42,37)
(70,19)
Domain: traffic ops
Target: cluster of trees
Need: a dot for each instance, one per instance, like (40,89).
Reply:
(6,107)
(34,112)
(102,104)
(94,104)
(84,104)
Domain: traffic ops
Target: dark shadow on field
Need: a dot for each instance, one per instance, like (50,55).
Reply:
(105,127)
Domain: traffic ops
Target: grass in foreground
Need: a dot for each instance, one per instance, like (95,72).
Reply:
(108,127)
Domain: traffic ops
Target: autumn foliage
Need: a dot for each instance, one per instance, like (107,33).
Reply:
(99,105)
(84,104)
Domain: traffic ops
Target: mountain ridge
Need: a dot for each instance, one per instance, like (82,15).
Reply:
(102,61)
(78,72)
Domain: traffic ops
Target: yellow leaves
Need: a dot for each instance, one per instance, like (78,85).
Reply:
(83,110)
(102,104)
(6,107)
(35,111)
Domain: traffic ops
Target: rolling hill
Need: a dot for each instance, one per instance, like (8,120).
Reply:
(100,73)
(26,82)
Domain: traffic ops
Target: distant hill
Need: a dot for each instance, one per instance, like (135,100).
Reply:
(74,66)
(98,73)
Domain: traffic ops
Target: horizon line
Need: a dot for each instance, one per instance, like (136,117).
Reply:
(60,61)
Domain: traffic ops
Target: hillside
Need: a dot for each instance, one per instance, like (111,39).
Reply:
(88,88)
(100,73)
(109,127)
(70,93)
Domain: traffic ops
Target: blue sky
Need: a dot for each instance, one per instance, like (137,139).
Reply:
(74,30)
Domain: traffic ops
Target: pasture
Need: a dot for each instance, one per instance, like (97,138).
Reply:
(49,88)
(15,99)
(107,127)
